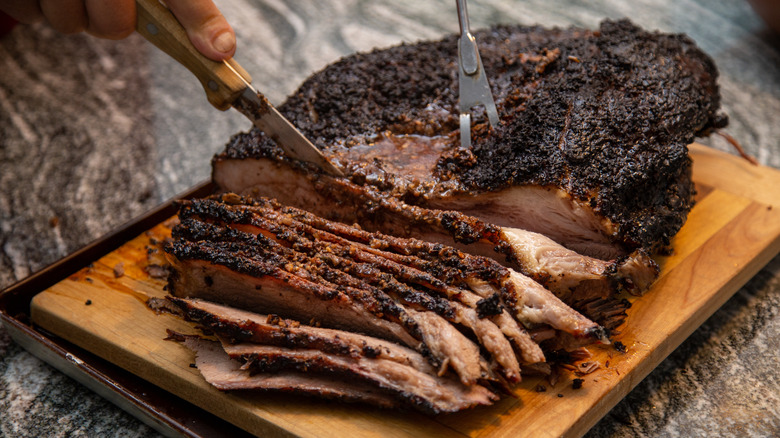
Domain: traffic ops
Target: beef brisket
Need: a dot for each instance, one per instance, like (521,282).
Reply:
(374,287)
(225,374)
(591,149)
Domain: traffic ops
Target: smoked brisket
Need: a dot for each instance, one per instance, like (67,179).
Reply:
(591,149)
(433,276)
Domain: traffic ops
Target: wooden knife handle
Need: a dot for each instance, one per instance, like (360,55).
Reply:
(158,25)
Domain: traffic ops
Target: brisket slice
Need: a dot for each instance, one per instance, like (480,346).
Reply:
(226,374)
(428,393)
(240,326)
(203,272)
(591,149)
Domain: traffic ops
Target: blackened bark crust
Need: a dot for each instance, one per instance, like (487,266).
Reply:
(605,115)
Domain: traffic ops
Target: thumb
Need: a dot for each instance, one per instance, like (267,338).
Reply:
(206,27)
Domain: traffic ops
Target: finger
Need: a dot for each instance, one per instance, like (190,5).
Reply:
(23,11)
(208,30)
(65,16)
(112,19)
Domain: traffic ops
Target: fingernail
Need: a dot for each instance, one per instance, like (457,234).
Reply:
(224,42)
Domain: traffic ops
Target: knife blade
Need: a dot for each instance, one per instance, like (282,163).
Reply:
(226,84)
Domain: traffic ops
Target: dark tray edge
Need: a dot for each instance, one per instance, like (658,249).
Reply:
(160,410)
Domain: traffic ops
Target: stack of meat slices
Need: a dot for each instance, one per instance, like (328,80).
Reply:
(590,285)
(266,352)
(342,312)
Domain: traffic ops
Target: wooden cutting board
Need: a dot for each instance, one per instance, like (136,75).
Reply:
(731,233)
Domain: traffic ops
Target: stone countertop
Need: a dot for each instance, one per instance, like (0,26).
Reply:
(94,133)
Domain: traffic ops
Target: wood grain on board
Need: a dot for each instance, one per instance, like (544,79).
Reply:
(731,233)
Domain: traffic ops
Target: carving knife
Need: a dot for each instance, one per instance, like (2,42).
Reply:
(226,83)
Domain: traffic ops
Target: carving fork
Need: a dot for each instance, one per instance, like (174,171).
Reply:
(472,82)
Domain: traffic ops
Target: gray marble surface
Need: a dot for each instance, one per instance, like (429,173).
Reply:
(93,133)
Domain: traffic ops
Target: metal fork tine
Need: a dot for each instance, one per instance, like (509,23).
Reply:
(472,81)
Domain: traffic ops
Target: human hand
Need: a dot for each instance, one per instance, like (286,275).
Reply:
(208,30)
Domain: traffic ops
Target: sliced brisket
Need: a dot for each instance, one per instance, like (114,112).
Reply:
(399,377)
(226,374)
